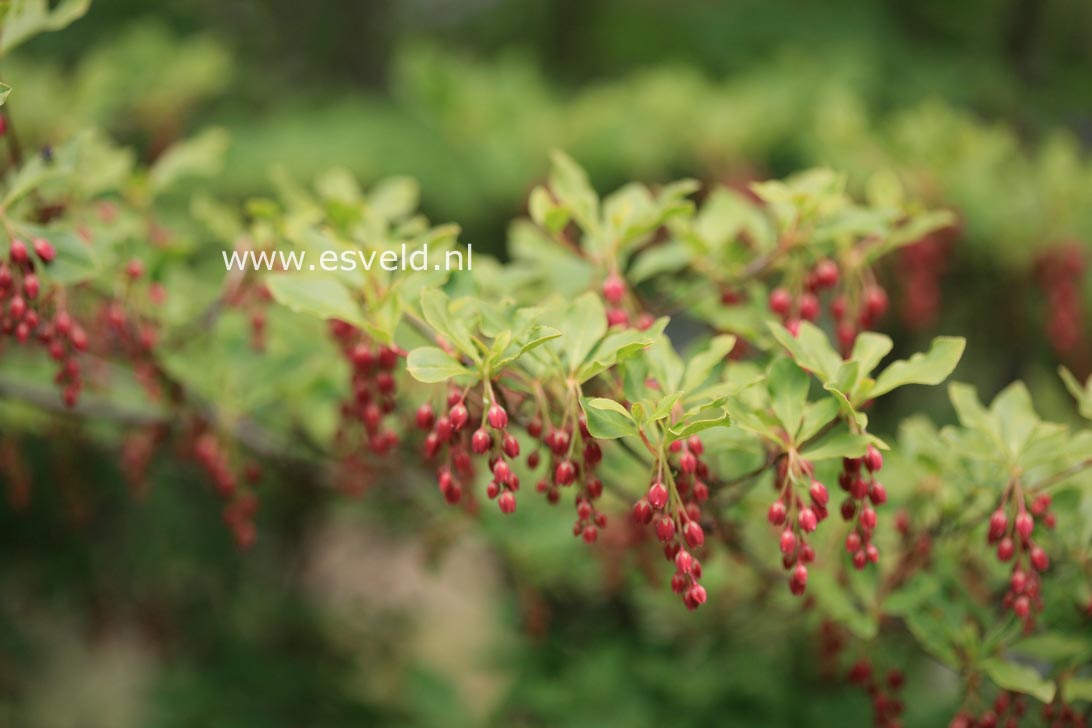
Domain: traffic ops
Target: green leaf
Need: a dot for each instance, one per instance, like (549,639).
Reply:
(913,594)
(607,419)
(835,601)
(25,19)
(394,198)
(929,368)
(666,258)
(430,364)
(929,631)
(810,348)
(545,212)
(843,444)
(816,416)
(538,336)
(584,325)
(201,156)
(618,347)
(788,393)
(435,308)
(1013,411)
(1018,678)
(695,422)
(664,407)
(1077,689)
(1055,647)
(1083,395)
(664,364)
(869,349)
(969,410)
(76,260)
(702,364)
(570,184)
(33,174)
(321,296)
(4,91)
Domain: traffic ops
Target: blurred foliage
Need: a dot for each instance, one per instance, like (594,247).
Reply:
(982,106)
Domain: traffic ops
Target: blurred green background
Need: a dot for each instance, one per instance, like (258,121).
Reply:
(123,611)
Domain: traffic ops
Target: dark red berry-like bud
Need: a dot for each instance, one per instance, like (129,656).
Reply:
(849,509)
(873,460)
(701,491)
(459,416)
(807,520)
(1039,559)
(776,514)
(558,442)
(361,356)
(875,301)
(535,427)
(564,472)
(501,471)
(694,534)
(614,289)
(877,493)
(510,445)
(388,358)
(617,317)
(453,494)
(999,521)
(425,416)
(593,454)
(1005,549)
(583,509)
(444,428)
(788,541)
(1021,607)
(853,542)
(481,441)
(665,528)
(826,274)
(17,308)
(695,596)
(642,512)
(44,250)
(1025,524)
(818,493)
(809,307)
(432,445)
(498,418)
(507,502)
(683,561)
(18,251)
(868,518)
(657,495)
(780,301)
(687,462)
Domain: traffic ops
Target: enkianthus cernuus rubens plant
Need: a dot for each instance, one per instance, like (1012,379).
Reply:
(605,365)
(685,373)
